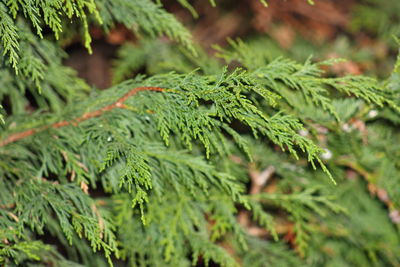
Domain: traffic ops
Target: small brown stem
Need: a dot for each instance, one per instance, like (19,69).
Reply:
(259,179)
(373,188)
(93,114)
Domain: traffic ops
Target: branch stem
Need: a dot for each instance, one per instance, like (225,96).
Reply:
(86,116)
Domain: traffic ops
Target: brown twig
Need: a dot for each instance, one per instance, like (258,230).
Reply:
(258,181)
(373,188)
(100,220)
(93,114)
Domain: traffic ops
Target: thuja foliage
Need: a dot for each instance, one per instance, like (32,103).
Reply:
(162,170)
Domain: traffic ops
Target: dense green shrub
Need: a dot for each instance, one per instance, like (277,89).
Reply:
(251,159)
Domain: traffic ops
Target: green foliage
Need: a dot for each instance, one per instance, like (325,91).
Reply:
(32,63)
(41,14)
(41,73)
(164,175)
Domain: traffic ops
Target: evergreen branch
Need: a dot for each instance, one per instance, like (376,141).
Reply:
(96,113)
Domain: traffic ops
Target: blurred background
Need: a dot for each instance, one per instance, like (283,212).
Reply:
(362,31)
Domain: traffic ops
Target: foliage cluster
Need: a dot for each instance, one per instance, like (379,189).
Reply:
(250,159)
